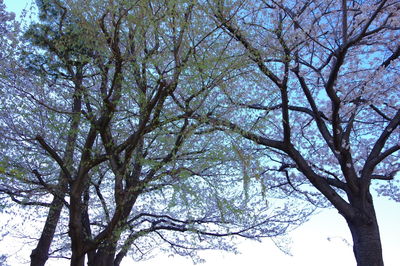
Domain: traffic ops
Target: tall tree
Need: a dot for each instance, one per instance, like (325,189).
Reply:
(322,99)
(100,124)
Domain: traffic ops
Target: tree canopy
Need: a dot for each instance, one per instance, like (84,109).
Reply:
(331,120)
(99,143)
(134,125)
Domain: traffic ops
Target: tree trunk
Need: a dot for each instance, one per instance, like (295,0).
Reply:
(40,254)
(76,230)
(366,238)
(77,259)
(367,244)
(104,257)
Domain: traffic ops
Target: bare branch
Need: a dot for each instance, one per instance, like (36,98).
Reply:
(55,156)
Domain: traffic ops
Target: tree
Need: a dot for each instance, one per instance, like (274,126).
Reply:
(322,99)
(98,134)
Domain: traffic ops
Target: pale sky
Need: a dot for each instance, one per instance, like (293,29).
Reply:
(324,240)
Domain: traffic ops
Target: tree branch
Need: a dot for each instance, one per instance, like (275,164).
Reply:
(375,155)
(55,156)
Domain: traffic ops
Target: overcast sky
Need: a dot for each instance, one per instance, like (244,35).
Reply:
(324,240)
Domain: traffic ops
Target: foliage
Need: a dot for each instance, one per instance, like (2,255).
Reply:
(170,124)
(99,141)
(323,99)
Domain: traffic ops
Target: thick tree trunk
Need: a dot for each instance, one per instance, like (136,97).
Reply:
(104,257)
(77,259)
(367,244)
(365,232)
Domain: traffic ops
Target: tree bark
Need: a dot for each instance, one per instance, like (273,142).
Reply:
(119,257)
(364,229)
(77,259)
(40,254)
(104,257)
(76,230)
(367,245)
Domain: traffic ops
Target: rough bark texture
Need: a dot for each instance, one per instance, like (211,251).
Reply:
(366,244)
(364,229)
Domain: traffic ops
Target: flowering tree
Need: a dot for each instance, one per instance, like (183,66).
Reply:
(98,135)
(8,33)
(322,98)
